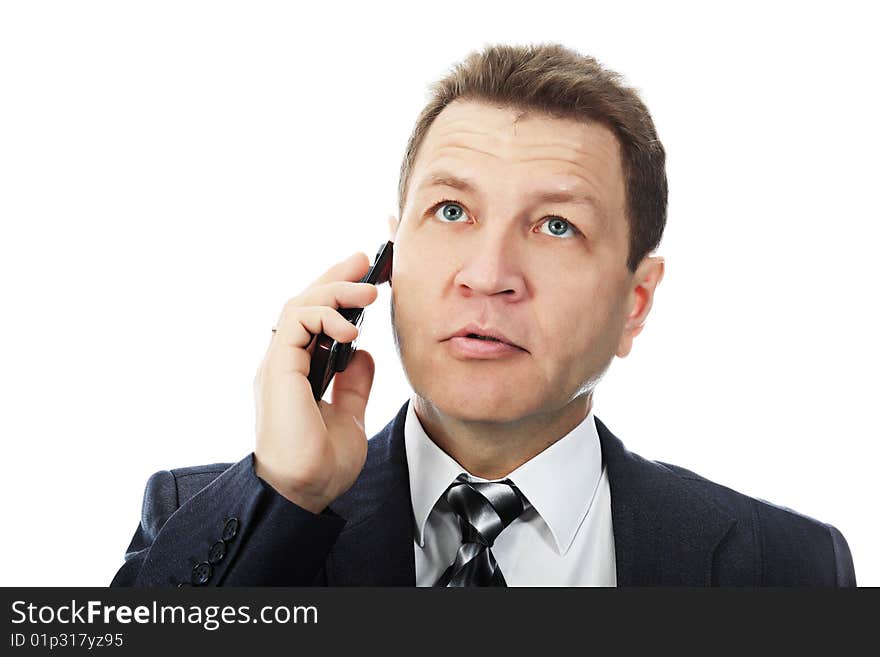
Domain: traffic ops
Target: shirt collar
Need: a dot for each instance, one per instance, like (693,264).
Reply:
(559,482)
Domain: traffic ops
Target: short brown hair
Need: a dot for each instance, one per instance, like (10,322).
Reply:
(560,82)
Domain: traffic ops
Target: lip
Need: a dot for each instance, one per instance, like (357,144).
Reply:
(481,349)
(488,331)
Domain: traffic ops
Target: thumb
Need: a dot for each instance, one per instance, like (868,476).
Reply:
(351,387)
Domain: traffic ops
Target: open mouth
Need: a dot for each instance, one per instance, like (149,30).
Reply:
(468,346)
(481,337)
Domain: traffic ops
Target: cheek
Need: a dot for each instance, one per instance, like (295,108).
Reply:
(418,273)
(413,310)
(570,330)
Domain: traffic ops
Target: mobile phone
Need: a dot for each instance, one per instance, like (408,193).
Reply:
(331,356)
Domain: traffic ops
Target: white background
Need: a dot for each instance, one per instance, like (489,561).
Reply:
(172,172)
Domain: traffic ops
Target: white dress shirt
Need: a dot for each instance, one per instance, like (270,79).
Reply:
(563,538)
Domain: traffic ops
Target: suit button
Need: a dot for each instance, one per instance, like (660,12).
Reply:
(201,573)
(183,584)
(218,551)
(230,529)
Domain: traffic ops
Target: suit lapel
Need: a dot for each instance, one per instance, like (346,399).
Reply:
(375,547)
(665,530)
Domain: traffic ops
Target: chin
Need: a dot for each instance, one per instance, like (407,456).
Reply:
(479,401)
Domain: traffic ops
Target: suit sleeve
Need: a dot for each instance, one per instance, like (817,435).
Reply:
(236,531)
(843,561)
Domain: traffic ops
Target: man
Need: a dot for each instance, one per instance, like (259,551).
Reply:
(532,192)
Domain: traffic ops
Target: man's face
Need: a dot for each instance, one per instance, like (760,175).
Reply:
(550,274)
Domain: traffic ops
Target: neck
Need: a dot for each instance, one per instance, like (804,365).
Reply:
(492,450)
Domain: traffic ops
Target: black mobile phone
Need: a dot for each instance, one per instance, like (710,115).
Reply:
(331,356)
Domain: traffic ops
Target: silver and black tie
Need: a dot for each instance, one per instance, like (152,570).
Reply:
(483,510)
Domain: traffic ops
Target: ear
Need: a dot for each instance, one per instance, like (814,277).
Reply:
(645,281)
(392,227)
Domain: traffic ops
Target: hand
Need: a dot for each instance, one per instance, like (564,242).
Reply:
(312,452)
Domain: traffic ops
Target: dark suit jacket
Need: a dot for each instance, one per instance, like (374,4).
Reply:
(671,526)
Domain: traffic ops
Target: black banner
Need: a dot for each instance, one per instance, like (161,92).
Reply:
(236,620)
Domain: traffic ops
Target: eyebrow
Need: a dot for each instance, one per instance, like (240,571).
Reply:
(446,179)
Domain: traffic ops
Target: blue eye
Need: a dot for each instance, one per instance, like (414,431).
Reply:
(560,224)
(451,211)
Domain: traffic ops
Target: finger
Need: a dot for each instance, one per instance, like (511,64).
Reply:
(296,331)
(351,387)
(337,294)
(352,268)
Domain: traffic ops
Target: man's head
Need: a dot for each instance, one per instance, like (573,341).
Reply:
(532,190)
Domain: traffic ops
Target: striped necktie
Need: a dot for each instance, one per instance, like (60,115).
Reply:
(483,510)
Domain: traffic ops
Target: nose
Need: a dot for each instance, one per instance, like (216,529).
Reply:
(491,264)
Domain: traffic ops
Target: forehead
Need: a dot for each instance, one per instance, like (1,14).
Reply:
(535,151)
